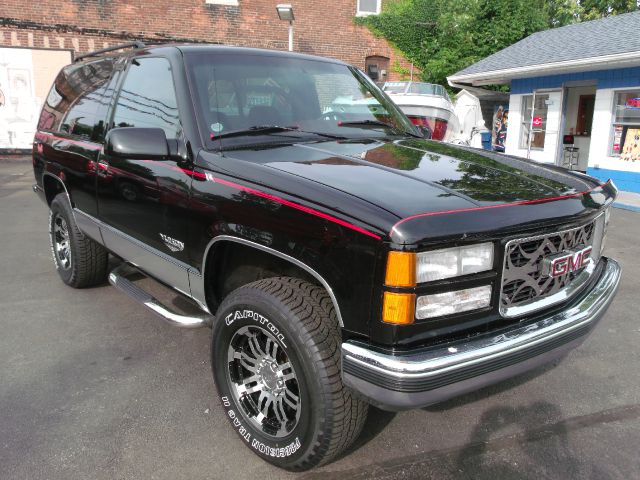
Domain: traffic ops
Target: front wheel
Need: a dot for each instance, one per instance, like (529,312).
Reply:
(276,363)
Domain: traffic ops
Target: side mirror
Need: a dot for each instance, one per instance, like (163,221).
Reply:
(132,142)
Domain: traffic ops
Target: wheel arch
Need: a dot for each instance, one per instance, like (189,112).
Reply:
(214,256)
(52,186)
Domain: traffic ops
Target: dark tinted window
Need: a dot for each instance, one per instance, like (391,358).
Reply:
(78,100)
(148,98)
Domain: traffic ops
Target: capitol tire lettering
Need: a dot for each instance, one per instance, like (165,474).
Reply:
(256,317)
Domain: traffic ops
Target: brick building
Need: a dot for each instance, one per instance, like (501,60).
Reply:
(38,38)
(322,27)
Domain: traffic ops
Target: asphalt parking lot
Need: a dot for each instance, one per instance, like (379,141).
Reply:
(94,387)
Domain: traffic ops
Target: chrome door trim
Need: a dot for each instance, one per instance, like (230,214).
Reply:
(197,282)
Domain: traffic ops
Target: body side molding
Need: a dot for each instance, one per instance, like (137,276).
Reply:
(197,280)
(153,262)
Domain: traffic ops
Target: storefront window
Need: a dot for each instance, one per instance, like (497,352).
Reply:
(539,121)
(626,125)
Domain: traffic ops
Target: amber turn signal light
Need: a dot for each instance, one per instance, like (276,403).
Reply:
(401,269)
(398,308)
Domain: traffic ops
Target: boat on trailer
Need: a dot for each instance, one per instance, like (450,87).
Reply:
(426,104)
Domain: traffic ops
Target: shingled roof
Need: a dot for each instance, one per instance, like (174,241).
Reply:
(617,35)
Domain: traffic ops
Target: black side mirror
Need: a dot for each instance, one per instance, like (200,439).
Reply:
(132,142)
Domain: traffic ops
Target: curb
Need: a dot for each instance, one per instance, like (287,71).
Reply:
(15,158)
(626,206)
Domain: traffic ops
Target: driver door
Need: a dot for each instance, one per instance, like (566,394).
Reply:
(143,203)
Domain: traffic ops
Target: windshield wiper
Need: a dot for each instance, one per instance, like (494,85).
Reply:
(326,135)
(268,129)
(366,123)
(255,130)
(415,135)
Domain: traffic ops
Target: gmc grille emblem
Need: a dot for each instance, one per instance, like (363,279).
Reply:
(563,263)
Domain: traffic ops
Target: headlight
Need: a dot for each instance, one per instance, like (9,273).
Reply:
(452,262)
(448,303)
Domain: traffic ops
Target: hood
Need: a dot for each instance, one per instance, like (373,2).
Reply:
(413,180)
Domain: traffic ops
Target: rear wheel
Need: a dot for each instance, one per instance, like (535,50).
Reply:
(276,363)
(80,261)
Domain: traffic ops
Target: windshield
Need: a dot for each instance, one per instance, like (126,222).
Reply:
(313,98)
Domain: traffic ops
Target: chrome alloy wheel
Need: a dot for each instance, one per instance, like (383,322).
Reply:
(61,244)
(263,381)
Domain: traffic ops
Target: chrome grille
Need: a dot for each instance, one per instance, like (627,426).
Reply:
(525,288)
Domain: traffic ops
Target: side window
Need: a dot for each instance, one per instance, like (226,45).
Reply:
(78,100)
(148,98)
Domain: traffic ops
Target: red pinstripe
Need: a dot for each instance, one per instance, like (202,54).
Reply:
(501,205)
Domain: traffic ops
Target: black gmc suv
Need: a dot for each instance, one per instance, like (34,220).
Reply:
(340,258)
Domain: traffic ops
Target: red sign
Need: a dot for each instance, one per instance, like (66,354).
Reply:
(537,121)
(633,103)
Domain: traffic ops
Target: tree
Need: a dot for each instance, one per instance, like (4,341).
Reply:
(594,9)
(442,37)
(562,12)
(496,24)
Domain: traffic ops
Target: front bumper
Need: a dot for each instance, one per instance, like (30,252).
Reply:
(417,379)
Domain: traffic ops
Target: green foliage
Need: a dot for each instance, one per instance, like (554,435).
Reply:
(442,37)
(562,12)
(593,9)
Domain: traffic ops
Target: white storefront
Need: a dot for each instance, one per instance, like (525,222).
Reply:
(600,121)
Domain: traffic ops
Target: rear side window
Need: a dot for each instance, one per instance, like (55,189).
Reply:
(78,101)
(148,97)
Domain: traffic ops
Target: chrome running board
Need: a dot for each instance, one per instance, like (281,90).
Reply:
(118,278)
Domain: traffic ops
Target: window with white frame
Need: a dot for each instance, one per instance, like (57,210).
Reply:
(626,125)
(368,7)
(230,3)
(537,126)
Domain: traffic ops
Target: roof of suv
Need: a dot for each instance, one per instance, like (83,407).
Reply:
(208,48)
(187,48)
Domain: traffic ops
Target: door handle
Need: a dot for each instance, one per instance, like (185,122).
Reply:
(103,167)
